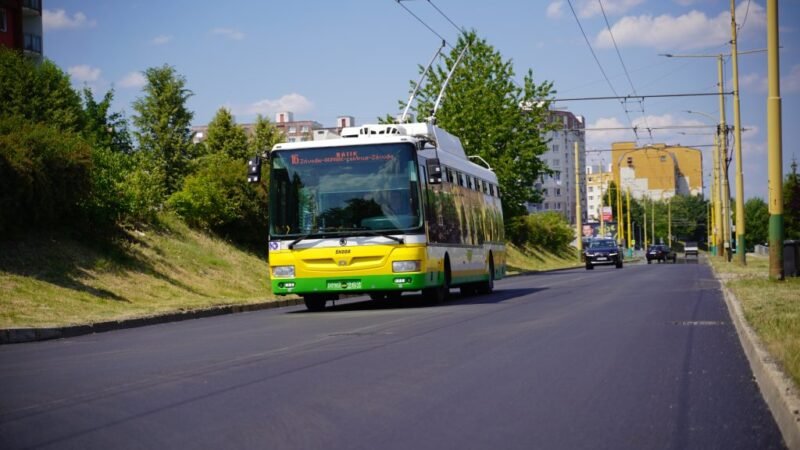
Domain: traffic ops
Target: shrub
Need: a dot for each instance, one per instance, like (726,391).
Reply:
(548,231)
(217,197)
(45,174)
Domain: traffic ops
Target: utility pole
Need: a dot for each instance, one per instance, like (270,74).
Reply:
(578,218)
(620,217)
(725,192)
(669,221)
(717,199)
(653,221)
(774,144)
(741,247)
(628,198)
(644,214)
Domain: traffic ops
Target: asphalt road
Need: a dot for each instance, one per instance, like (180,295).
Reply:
(640,358)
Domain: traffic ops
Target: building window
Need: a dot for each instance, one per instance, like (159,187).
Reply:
(3,23)
(556,162)
(558,192)
(292,130)
(304,129)
(557,175)
(555,147)
(591,197)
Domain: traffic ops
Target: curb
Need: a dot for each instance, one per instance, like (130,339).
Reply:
(21,335)
(782,398)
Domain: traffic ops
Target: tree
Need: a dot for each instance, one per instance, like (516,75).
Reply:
(494,118)
(265,136)
(756,219)
(103,128)
(163,123)
(225,137)
(38,93)
(791,204)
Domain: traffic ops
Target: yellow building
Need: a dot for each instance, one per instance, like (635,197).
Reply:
(657,171)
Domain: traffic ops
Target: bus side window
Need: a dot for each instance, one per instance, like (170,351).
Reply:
(449,175)
(460,178)
(485,187)
(469,182)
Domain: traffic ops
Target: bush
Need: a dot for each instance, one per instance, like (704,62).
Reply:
(45,174)
(217,197)
(548,231)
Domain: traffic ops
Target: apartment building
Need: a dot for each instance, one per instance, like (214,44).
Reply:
(293,130)
(657,171)
(21,27)
(558,189)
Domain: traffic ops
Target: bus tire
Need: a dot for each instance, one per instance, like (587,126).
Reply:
(438,295)
(315,302)
(486,287)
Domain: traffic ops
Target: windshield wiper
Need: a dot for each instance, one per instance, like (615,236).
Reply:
(305,236)
(385,234)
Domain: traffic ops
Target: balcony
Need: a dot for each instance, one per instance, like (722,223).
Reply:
(32,43)
(32,7)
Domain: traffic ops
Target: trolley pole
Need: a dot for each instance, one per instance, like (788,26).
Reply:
(629,235)
(725,224)
(774,128)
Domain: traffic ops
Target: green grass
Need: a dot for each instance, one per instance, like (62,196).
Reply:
(54,280)
(528,259)
(772,308)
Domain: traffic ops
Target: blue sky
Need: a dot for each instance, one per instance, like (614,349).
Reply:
(321,59)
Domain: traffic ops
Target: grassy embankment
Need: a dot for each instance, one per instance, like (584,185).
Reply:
(771,308)
(48,280)
(53,280)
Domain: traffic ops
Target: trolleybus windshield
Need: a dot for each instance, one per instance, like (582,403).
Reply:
(344,190)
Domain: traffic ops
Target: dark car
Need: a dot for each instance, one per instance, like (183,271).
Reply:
(660,253)
(603,251)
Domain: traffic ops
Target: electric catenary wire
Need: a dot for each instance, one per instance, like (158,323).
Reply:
(625,69)
(594,55)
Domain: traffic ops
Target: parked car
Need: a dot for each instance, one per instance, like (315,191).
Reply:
(603,251)
(660,253)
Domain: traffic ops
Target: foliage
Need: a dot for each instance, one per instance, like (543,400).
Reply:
(494,118)
(105,129)
(548,231)
(38,93)
(143,189)
(265,136)
(45,174)
(163,123)
(791,204)
(217,197)
(756,219)
(225,137)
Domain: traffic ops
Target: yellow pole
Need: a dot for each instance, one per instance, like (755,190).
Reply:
(620,218)
(628,192)
(741,245)
(775,146)
(644,214)
(653,221)
(578,218)
(723,154)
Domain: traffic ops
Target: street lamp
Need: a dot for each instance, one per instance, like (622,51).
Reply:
(740,227)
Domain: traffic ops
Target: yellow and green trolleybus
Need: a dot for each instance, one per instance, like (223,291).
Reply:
(382,210)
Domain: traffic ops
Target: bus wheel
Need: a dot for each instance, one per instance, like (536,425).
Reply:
(314,302)
(439,294)
(486,287)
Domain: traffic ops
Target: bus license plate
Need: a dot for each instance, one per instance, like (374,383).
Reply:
(602,258)
(344,284)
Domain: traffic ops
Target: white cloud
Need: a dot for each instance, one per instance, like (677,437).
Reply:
(133,80)
(790,83)
(84,73)
(59,19)
(691,30)
(590,8)
(161,39)
(295,103)
(229,33)
(554,10)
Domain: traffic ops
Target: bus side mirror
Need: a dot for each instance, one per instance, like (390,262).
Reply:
(254,170)
(434,171)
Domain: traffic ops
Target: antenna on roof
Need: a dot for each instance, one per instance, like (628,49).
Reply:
(419,83)
(432,118)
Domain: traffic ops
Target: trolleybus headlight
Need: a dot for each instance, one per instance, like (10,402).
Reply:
(405,266)
(283,271)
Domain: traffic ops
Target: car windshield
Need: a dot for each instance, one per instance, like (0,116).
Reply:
(327,191)
(602,243)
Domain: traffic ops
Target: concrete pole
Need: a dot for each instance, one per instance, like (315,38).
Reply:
(775,146)
(620,216)
(653,221)
(723,155)
(669,222)
(717,199)
(741,245)
(644,214)
(578,218)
